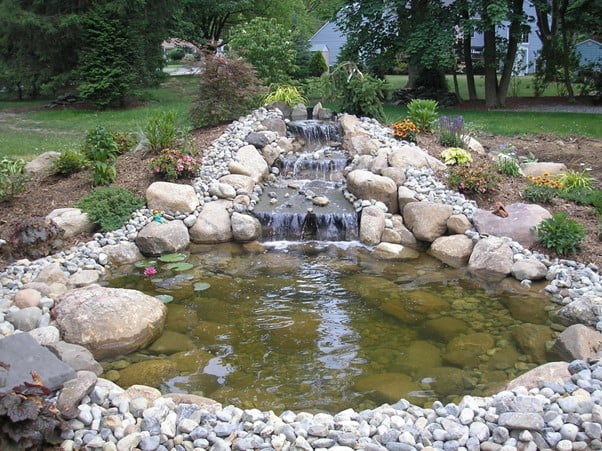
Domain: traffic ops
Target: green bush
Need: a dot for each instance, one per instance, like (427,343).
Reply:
(456,156)
(101,149)
(228,89)
(110,207)
(176,54)
(317,65)
(161,130)
(560,234)
(474,178)
(69,162)
(13,179)
(576,179)
(508,166)
(540,194)
(285,93)
(423,113)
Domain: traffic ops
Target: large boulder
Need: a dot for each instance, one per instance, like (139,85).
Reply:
(122,253)
(245,227)
(412,156)
(156,238)
(366,185)
(213,224)
(540,168)
(427,220)
(398,175)
(257,139)
(405,196)
(349,124)
(454,250)
(372,225)
(42,163)
(519,224)
(299,112)
(581,311)
(578,342)
(72,221)
(491,259)
(529,269)
(553,372)
(361,144)
(250,158)
(243,184)
(275,125)
(109,321)
(531,339)
(171,197)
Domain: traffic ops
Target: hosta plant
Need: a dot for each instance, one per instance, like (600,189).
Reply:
(456,156)
(423,113)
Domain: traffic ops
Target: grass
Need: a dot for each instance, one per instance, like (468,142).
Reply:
(26,129)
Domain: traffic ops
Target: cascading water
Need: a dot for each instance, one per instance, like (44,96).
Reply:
(307,202)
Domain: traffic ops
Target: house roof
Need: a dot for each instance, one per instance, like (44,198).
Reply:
(587,40)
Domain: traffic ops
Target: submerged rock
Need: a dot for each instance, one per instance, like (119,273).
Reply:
(148,372)
(388,387)
(531,339)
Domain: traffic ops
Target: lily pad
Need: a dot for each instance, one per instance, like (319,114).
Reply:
(165,298)
(172,258)
(201,286)
(145,263)
(180,266)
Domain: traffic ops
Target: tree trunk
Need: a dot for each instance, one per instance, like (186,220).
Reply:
(491,99)
(456,87)
(467,49)
(413,73)
(513,38)
(566,52)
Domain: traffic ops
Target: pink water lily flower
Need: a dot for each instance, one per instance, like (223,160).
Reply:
(150,271)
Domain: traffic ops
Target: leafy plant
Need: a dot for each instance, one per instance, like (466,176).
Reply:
(405,129)
(456,156)
(35,237)
(13,179)
(172,258)
(173,164)
(545,180)
(69,162)
(583,196)
(560,234)
(125,141)
(161,130)
(451,131)
(576,179)
(110,207)
(317,65)
(176,54)
(507,165)
(358,93)
(540,194)
(101,149)
(423,113)
(475,178)
(285,93)
(228,89)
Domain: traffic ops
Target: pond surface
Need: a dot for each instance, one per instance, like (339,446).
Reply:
(323,326)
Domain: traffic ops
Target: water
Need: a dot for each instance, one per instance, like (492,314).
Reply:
(314,131)
(325,326)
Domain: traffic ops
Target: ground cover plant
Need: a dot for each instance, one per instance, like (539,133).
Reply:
(110,207)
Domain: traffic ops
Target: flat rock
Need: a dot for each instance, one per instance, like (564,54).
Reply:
(94,318)
(388,387)
(366,185)
(152,372)
(454,250)
(45,335)
(73,392)
(578,342)
(84,277)
(372,225)
(123,253)
(253,161)
(412,156)
(213,224)
(241,183)
(518,225)
(42,163)
(23,355)
(76,356)
(157,239)
(72,221)
(245,228)
(491,259)
(142,391)
(521,421)
(427,220)
(391,251)
(553,372)
(199,401)
(171,197)
(541,168)
(529,269)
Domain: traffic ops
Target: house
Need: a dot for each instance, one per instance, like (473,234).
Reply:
(330,39)
(589,52)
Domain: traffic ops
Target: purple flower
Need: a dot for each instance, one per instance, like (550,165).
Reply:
(150,271)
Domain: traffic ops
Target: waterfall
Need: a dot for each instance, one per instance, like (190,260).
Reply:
(313,131)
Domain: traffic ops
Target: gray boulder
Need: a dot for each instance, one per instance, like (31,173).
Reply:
(578,342)
(156,238)
(73,392)
(491,259)
(52,273)
(454,250)
(275,125)
(257,139)
(245,227)
(582,311)
(72,221)
(25,319)
(396,174)
(458,224)
(553,372)
(522,218)
(529,269)
(93,317)
(366,185)
(171,197)
(76,356)
(122,253)
(45,335)
(372,225)
(213,224)
(427,220)
(250,159)
(42,163)
(222,190)
(241,183)
(299,112)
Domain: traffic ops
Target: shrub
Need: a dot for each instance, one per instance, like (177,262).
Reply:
(68,162)
(110,207)
(228,89)
(475,178)
(560,234)
(507,165)
(125,141)
(13,179)
(423,113)
(540,194)
(174,164)
(35,237)
(405,129)
(101,149)
(451,131)
(456,156)
(575,179)
(285,93)
(161,130)
(317,65)
(176,54)
(268,46)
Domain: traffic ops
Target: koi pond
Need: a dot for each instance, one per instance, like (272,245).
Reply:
(320,326)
